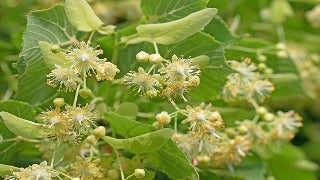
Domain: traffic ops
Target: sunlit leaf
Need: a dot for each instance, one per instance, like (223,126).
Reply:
(142,144)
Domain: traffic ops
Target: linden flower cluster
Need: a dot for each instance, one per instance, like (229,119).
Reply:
(246,83)
(86,168)
(81,61)
(68,124)
(313,16)
(36,171)
(167,78)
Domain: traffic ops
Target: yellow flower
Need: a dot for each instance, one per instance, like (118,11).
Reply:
(204,119)
(106,71)
(64,77)
(86,169)
(179,69)
(142,82)
(84,58)
(36,172)
(81,116)
(285,125)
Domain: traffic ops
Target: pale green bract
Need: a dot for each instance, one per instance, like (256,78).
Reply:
(174,31)
(51,59)
(81,16)
(145,143)
(22,127)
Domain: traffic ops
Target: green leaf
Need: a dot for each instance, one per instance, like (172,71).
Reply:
(251,168)
(50,25)
(7,170)
(128,109)
(286,160)
(171,161)
(144,143)
(125,126)
(220,31)
(22,127)
(20,109)
(82,16)
(174,31)
(169,10)
(51,59)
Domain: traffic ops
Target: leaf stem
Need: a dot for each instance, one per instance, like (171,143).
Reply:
(90,37)
(120,166)
(129,176)
(155,47)
(76,96)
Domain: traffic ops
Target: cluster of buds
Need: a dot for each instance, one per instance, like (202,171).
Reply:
(313,16)
(81,61)
(246,83)
(282,50)
(67,124)
(35,171)
(167,78)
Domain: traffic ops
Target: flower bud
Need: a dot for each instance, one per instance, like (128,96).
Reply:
(242,129)
(176,137)
(113,174)
(84,93)
(281,46)
(163,118)
(282,54)
(99,131)
(203,159)
(268,71)
(268,116)
(142,56)
(231,133)
(157,125)
(262,58)
(261,66)
(139,173)
(55,48)
(155,58)
(58,102)
(261,110)
(91,139)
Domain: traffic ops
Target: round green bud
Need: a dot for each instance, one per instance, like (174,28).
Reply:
(261,66)
(113,174)
(163,117)
(142,56)
(231,133)
(261,110)
(262,58)
(175,137)
(203,158)
(58,102)
(242,129)
(139,173)
(281,46)
(268,116)
(155,58)
(99,131)
(84,93)
(55,48)
(282,54)
(268,71)
(91,139)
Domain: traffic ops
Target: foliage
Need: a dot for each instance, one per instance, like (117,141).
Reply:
(159,89)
